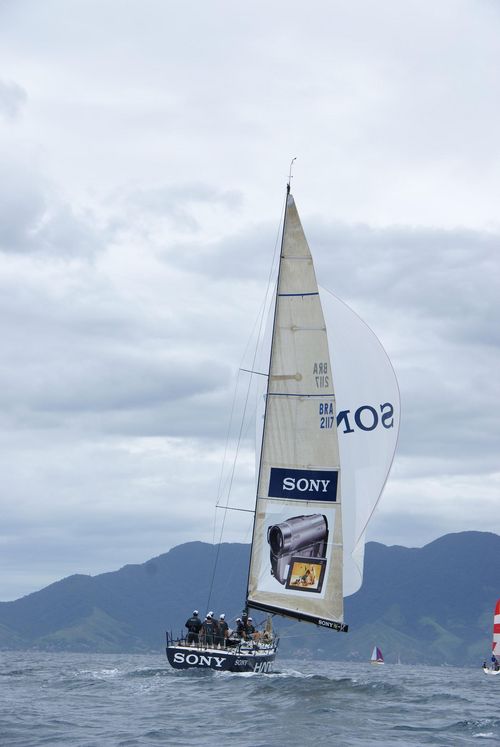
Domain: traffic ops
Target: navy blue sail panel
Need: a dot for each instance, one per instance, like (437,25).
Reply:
(302,484)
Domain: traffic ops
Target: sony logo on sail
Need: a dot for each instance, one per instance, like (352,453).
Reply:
(342,627)
(303,484)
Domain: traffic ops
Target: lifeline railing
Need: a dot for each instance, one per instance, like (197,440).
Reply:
(240,646)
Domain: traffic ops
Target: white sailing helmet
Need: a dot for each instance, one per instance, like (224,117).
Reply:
(222,616)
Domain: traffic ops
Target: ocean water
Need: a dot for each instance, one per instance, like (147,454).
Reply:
(99,700)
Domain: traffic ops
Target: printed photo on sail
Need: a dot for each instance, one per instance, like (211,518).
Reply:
(305,575)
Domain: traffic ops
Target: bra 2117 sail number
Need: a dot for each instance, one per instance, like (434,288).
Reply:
(327,415)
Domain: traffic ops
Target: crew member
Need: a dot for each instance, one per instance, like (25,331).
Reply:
(241,626)
(216,626)
(222,631)
(250,628)
(245,627)
(193,625)
(208,630)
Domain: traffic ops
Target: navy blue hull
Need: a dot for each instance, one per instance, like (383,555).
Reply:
(259,659)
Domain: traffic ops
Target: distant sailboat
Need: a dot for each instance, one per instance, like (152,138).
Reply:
(377,657)
(494,668)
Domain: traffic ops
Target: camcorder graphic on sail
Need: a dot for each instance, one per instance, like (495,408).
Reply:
(298,551)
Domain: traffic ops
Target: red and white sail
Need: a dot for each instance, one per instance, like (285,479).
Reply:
(496,630)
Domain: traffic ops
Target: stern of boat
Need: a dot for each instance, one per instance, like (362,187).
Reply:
(243,657)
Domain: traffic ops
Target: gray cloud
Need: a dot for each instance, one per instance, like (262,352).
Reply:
(33,219)
(12,99)
(178,203)
(238,257)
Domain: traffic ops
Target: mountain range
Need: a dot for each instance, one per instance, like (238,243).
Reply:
(431,605)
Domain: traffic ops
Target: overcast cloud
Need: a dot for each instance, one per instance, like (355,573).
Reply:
(144,148)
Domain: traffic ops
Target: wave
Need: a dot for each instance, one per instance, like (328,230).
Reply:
(148,672)
(466,726)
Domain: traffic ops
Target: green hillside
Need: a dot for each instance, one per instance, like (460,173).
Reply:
(432,604)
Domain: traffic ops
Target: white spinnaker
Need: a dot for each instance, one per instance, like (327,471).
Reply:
(364,378)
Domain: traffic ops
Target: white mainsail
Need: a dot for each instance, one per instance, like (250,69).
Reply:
(297,555)
(368,418)
(366,404)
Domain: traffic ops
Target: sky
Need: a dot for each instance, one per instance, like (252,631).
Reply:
(144,153)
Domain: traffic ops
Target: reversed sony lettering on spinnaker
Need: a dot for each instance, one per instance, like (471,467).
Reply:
(364,418)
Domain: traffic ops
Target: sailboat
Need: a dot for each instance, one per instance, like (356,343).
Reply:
(377,657)
(301,560)
(494,667)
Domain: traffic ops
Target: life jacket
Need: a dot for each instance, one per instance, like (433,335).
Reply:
(209,627)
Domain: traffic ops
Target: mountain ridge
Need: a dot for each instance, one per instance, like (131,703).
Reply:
(432,604)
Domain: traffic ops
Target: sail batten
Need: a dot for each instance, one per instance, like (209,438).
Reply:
(284,295)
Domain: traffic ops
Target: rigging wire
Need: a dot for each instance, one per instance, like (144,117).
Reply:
(260,318)
(228,434)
